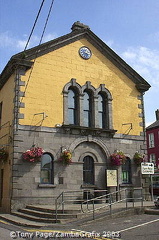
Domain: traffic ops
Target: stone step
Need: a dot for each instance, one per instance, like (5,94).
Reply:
(22,219)
(9,218)
(50,209)
(41,215)
(35,218)
(50,215)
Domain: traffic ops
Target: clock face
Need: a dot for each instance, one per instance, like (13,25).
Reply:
(85,52)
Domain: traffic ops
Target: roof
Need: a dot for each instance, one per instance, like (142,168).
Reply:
(79,31)
(153,125)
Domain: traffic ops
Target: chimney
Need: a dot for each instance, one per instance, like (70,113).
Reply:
(157,114)
(78,26)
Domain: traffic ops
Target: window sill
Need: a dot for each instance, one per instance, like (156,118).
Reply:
(126,185)
(46,185)
(88,186)
(73,129)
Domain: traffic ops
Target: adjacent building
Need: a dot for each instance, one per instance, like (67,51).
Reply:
(73,95)
(152,136)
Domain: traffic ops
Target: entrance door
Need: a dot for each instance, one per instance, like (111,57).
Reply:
(88,170)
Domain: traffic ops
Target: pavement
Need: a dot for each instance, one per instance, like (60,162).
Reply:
(116,210)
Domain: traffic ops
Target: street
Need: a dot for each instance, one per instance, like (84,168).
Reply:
(138,227)
(135,227)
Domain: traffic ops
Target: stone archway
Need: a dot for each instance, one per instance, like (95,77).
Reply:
(99,142)
(96,152)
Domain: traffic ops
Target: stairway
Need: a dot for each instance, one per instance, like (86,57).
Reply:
(40,216)
(74,209)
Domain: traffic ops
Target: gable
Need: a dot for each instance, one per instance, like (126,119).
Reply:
(79,31)
(56,62)
(53,70)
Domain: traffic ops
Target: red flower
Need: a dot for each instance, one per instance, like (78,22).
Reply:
(33,155)
(117,158)
(66,157)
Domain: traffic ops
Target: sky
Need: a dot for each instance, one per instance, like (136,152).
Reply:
(129,27)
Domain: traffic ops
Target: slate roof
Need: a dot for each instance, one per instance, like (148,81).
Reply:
(79,31)
(153,125)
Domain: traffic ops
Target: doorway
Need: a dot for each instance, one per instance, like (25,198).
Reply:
(88,170)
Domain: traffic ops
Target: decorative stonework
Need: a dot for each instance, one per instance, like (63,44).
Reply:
(99,142)
(80,92)
(78,26)
(85,131)
(18,94)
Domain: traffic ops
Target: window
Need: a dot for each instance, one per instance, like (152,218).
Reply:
(88,170)
(151,140)
(152,158)
(72,107)
(47,168)
(87,106)
(87,109)
(102,113)
(126,171)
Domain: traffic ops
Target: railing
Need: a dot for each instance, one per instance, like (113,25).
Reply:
(110,199)
(76,197)
(94,200)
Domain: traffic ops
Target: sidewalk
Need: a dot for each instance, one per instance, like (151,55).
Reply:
(116,210)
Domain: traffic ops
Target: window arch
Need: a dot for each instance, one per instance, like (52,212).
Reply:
(86,106)
(71,103)
(72,106)
(88,170)
(87,109)
(102,111)
(47,169)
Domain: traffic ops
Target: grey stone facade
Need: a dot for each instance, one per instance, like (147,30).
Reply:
(26,176)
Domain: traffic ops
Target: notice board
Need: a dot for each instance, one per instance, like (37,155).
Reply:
(111,178)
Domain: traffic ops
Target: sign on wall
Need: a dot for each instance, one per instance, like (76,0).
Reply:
(147,168)
(111,178)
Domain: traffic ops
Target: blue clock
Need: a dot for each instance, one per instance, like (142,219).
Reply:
(85,52)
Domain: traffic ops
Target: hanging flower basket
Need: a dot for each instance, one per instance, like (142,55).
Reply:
(66,157)
(3,154)
(33,155)
(117,158)
(138,158)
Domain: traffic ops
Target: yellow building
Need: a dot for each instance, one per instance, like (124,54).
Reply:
(75,100)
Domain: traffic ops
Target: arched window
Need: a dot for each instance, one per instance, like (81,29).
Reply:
(102,111)
(46,175)
(72,107)
(88,170)
(86,106)
(87,109)
(126,171)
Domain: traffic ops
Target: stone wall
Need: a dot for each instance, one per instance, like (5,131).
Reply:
(26,176)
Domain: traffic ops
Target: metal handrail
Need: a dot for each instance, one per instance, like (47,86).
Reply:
(107,196)
(66,197)
(56,203)
(108,200)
